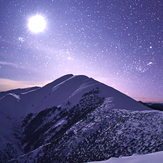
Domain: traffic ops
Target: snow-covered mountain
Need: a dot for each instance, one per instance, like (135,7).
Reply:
(68,87)
(75,119)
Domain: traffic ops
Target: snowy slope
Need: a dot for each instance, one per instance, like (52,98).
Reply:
(9,137)
(18,91)
(148,158)
(68,87)
(120,100)
(19,102)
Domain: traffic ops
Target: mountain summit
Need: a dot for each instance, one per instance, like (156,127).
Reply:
(22,101)
(75,119)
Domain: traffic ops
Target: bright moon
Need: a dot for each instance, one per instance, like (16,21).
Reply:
(37,24)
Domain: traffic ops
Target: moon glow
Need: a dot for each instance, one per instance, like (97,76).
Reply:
(37,24)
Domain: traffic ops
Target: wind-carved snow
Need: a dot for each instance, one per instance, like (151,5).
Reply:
(61,83)
(61,123)
(17,97)
(29,91)
(14,95)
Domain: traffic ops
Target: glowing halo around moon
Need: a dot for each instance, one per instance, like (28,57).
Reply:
(37,24)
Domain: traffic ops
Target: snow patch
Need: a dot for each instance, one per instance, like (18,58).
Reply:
(61,123)
(149,158)
(14,95)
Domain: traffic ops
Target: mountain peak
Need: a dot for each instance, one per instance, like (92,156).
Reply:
(59,80)
(68,87)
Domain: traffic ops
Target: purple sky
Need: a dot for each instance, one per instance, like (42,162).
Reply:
(118,42)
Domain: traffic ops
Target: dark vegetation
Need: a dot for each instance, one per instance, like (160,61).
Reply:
(40,126)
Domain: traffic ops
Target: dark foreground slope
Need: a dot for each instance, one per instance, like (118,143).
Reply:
(98,133)
(85,121)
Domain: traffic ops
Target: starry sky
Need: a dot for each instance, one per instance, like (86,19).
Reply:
(117,42)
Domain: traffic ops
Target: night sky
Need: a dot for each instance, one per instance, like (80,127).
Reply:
(117,42)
